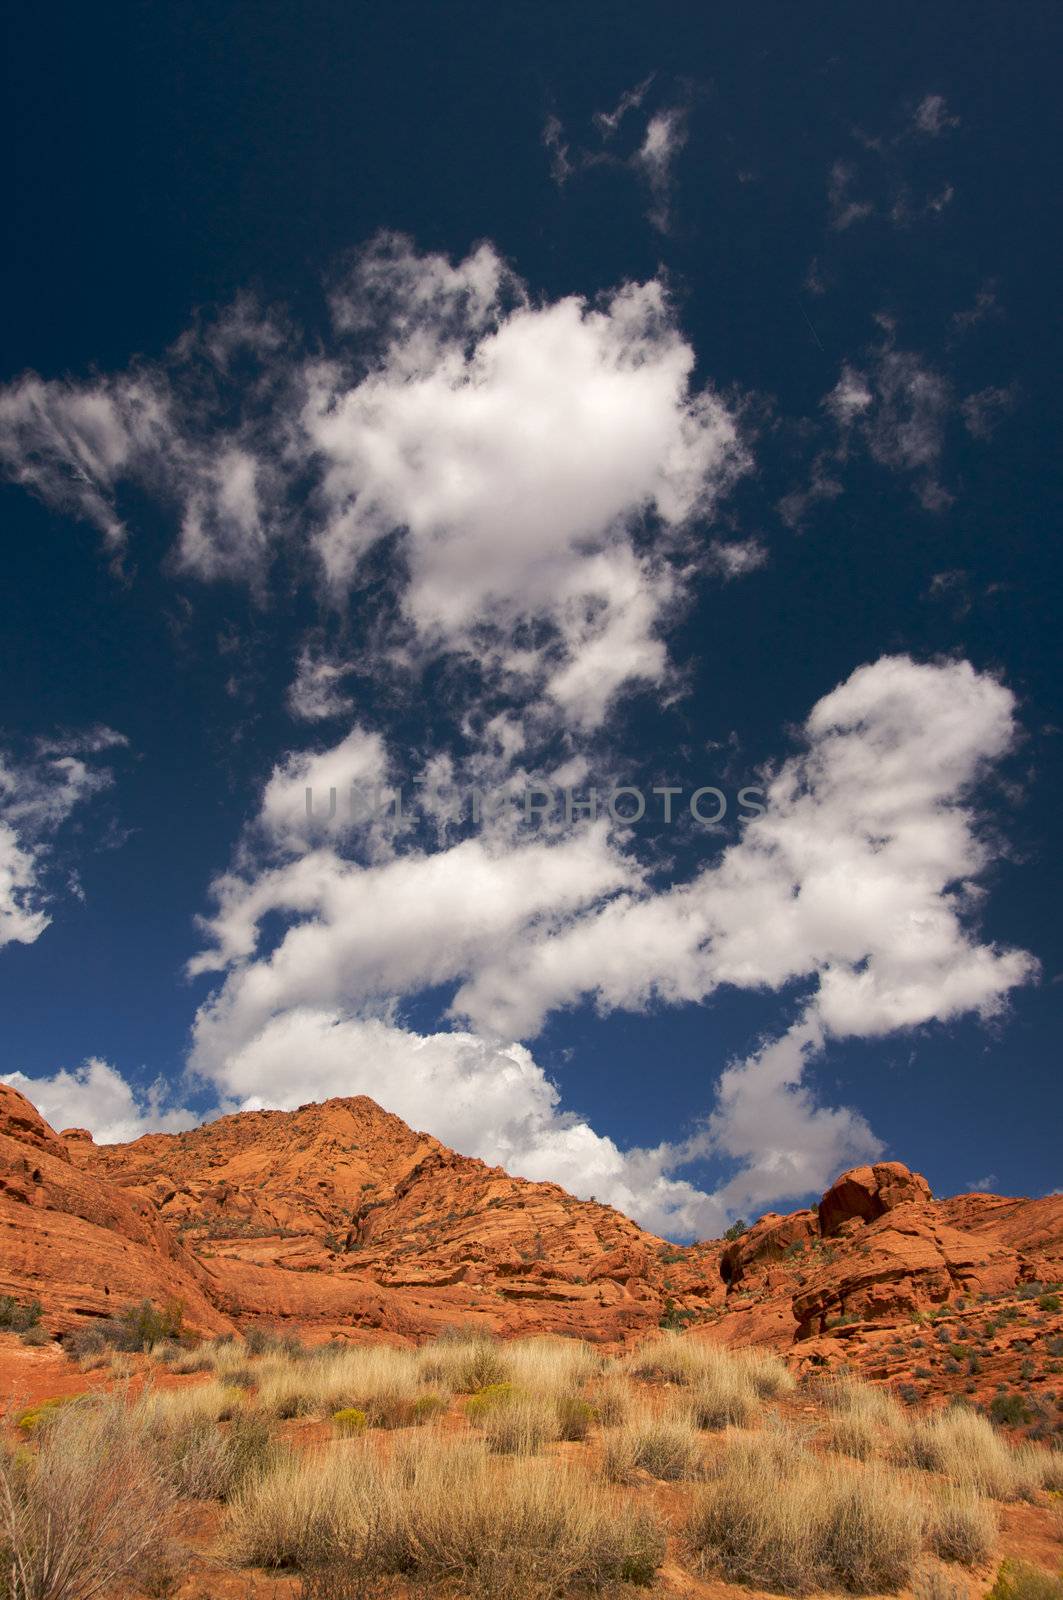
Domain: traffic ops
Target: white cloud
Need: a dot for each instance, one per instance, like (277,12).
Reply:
(665,137)
(859,882)
(932,116)
(70,443)
(734,558)
(897,407)
(37,795)
(96,1096)
(315,694)
(537,463)
(986,1185)
(857,877)
(518,445)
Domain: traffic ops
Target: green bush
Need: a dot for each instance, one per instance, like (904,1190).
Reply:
(1018,1580)
(489,1398)
(349,1420)
(1049,1302)
(427,1406)
(1008,1410)
(17,1317)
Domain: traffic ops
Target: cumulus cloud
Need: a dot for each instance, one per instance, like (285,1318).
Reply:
(859,884)
(38,793)
(96,1096)
(518,446)
(529,462)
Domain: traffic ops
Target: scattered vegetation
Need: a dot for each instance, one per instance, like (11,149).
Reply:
(17,1317)
(521,1471)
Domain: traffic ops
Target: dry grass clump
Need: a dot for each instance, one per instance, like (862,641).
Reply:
(382,1381)
(611,1399)
(550,1366)
(520,1425)
(206,1462)
(463,1362)
(437,1510)
(729,1384)
(212,1401)
(1020,1580)
(722,1398)
(87,1509)
(776,1517)
(665,1445)
(960,1525)
(964,1446)
(769,1376)
(667,1358)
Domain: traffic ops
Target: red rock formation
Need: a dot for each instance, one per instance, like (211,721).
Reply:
(76,1242)
(864,1193)
(338,1220)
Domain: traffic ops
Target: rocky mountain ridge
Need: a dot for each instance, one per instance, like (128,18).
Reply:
(340,1221)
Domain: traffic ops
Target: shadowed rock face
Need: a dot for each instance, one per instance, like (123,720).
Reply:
(341,1221)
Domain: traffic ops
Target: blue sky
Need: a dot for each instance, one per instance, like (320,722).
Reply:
(440,398)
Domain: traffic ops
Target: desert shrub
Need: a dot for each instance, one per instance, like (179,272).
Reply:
(273,1342)
(206,1462)
(961,1526)
(574,1416)
(349,1420)
(805,1528)
(1049,1302)
(464,1362)
(612,1401)
(427,1408)
(489,1398)
(439,1511)
(87,1509)
(965,1447)
(44,1412)
(1008,1410)
(18,1317)
(520,1426)
(665,1446)
(1019,1580)
(35,1335)
(141,1326)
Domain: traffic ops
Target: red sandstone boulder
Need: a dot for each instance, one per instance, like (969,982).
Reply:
(769,1239)
(866,1193)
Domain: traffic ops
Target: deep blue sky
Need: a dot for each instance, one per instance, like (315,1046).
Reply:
(163,161)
